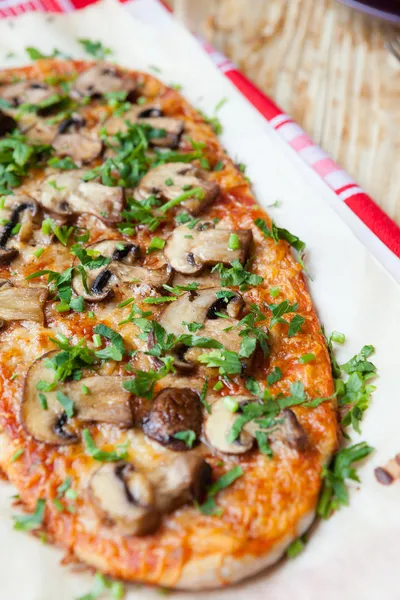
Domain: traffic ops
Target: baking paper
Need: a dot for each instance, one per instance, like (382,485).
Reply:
(355,554)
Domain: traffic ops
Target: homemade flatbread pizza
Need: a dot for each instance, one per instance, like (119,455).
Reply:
(166,400)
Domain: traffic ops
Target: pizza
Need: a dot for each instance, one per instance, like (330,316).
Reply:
(166,401)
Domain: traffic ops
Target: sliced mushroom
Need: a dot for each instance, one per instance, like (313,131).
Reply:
(79,147)
(184,480)
(17,210)
(204,307)
(7,124)
(172,411)
(102,79)
(66,194)
(124,499)
(184,177)
(218,425)
(40,132)
(26,92)
(22,303)
(72,141)
(152,116)
(123,268)
(206,279)
(290,432)
(100,399)
(188,251)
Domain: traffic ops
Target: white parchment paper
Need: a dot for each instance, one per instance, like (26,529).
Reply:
(356,554)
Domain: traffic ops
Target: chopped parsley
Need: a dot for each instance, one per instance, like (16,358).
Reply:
(155,244)
(209,507)
(295,548)
(277,233)
(274,376)
(94,48)
(144,381)
(66,403)
(103,585)
(188,436)
(102,455)
(334,493)
(236,275)
(116,350)
(32,521)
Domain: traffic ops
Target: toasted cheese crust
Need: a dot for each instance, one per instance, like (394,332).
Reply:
(266,508)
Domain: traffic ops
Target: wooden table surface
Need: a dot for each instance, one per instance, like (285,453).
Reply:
(327,66)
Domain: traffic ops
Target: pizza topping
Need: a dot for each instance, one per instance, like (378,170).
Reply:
(189,250)
(172,411)
(22,303)
(190,188)
(115,262)
(18,214)
(80,147)
(219,317)
(32,92)
(170,129)
(100,399)
(184,480)
(101,79)
(124,498)
(66,194)
(219,423)
(7,123)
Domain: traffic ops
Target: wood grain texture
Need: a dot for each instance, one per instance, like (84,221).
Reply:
(325,65)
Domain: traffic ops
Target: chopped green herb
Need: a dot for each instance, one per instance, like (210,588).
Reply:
(334,493)
(274,376)
(209,507)
(236,275)
(160,300)
(231,404)
(338,337)
(234,242)
(155,244)
(85,390)
(17,455)
(275,291)
(203,396)
(295,325)
(196,192)
(38,253)
(66,403)
(77,304)
(219,166)
(226,361)
(307,358)
(43,401)
(67,164)
(188,436)
(295,548)
(94,48)
(101,455)
(32,521)
(218,386)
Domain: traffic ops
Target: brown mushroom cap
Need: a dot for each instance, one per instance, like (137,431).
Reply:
(124,498)
(172,411)
(22,303)
(184,176)
(189,250)
(106,402)
(290,432)
(122,268)
(66,194)
(102,79)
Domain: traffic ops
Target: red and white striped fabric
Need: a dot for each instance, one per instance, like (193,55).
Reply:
(338,180)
